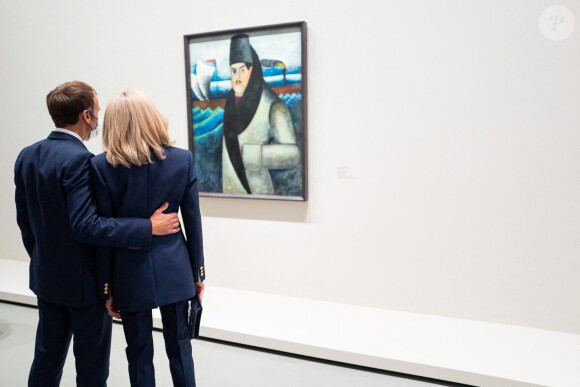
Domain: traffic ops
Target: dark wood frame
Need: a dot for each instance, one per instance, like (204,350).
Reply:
(303,106)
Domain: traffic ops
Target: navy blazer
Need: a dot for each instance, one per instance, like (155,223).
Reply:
(166,273)
(55,211)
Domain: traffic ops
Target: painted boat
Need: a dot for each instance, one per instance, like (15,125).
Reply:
(201,80)
(214,103)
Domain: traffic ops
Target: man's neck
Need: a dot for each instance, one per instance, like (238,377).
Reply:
(78,128)
(61,130)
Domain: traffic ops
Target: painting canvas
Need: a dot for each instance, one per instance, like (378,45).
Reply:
(246,94)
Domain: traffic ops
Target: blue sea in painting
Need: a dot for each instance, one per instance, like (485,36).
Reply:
(208,126)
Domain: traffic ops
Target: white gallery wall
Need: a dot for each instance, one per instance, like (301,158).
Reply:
(443,146)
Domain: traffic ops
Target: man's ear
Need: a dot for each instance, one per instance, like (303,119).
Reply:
(85,116)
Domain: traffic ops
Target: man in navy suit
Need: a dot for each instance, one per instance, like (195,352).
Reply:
(57,217)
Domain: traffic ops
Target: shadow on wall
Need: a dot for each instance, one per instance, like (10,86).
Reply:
(276,210)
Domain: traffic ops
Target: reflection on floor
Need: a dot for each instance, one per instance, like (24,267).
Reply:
(217,365)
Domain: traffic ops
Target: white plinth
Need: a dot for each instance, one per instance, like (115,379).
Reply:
(464,351)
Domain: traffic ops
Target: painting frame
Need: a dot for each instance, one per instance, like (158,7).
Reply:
(287,156)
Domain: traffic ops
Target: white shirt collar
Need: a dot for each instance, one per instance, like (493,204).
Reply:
(68,132)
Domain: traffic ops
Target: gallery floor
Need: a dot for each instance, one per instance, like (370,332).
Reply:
(217,364)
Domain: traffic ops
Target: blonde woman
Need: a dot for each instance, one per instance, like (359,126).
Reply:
(139,171)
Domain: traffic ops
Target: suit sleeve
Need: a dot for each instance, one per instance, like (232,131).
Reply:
(191,216)
(104,255)
(87,226)
(22,210)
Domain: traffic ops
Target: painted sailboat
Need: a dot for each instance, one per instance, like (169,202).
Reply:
(201,79)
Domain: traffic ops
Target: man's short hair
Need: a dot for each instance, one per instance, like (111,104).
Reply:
(68,100)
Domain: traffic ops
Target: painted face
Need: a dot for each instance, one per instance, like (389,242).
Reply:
(240,77)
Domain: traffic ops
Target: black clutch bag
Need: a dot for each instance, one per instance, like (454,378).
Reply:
(194,317)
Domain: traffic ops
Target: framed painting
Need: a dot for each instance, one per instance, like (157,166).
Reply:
(246,97)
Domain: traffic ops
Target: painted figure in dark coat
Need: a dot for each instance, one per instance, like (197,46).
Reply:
(258,130)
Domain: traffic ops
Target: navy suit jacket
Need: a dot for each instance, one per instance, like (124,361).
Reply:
(57,214)
(166,273)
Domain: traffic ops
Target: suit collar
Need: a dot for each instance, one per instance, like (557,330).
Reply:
(58,135)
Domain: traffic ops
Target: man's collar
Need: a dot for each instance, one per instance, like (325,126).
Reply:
(68,132)
(63,134)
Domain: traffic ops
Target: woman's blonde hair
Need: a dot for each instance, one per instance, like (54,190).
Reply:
(132,129)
